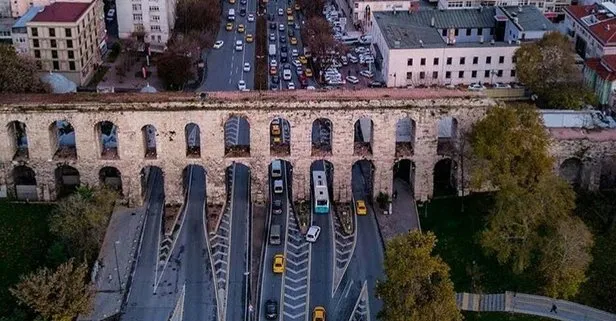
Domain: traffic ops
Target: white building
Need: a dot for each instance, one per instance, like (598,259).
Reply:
(440,47)
(151,19)
(592,28)
(551,8)
(362,9)
(20,31)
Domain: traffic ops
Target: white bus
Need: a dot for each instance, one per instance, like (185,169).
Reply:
(320,193)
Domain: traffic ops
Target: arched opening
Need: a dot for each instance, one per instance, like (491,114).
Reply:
(571,171)
(149,141)
(18,140)
(107,133)
(445,182)
(362,141)
(67,180)
(192,134)
(404,177)
(321,187)
(607,179)
(62,134)
(237,137)
(322,129)
(362,180)
(447,136)
(111,177)
(149,177)
(194,179)
(24,179)
(280,137)
(405,137)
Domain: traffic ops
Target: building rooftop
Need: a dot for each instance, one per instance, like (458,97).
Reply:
(605,66)
(588,119)
(6,24)
(529,18)
(598,18)
(62,12)
(21,22)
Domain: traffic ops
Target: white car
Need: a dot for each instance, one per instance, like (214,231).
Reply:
(241,85)
(294,53)
(366,73)
(110,14)
(239,45)
(313,234)
(281,26)
(291,86)
(352,79)
(246,66)
(501,85)
(251,17)
(310,88)
(476,86)
(273,63)
(272,37)
(218,44)
(286,74)
(280,12)
(296,63)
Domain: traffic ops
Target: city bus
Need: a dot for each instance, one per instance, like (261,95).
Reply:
(320,193)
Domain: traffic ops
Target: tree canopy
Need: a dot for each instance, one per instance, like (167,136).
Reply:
(547,67)
(18,74)
(418,287)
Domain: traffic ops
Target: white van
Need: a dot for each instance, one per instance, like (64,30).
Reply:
(276,168)
(231,16)
(278,186)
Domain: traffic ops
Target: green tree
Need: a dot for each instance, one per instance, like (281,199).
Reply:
(509,146)
(18,74)
(547,67)
(58,295)
(418,287)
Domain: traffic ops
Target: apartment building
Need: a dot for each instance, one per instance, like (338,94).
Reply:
(442,47)
(592,29)
(600,76)
(63,37)
(150,20)
(361,9)
(19,31)
(551,8)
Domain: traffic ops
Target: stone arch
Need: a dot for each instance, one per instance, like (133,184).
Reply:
(193,175)
(328,168)
(148,176)
(445,178)
(571,171)
(363,136)
(111,177)
(192,134)
(18,139)
(280,137)
(149,141)
(447,136)
(362,180)
(322,132)
(237,136)
(404,175)
(406,128)
(62,139)
(67,180)
(24,179)
(107,137)
(607,178)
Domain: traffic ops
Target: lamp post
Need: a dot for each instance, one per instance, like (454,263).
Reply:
(115,251)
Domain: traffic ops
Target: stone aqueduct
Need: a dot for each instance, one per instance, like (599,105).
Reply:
(169,115)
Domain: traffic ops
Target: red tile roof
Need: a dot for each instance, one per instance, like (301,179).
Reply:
(603,67)
(62,12)
(605,28)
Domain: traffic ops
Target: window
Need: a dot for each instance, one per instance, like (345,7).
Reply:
(37,53)
(34,32)
(475,60)
(56,65)
(136,7)
(456,32)
(486,74)
(488,60)
(35,43)
(444,32)
(53,43)
(448,74)
(514,59)
(512,72)
(449,60)
(480,31)
(68,32)
(434,74)
(499,73)
(409,75)
(52,32)
(54,54)
(422,61)
(154,8)
(461,74)
(71,65)
(435,62)
(155,18)
(474,74)
(69,44)
(155,28)
(501,59)
(468,31)
(71,54)
(137,17)
(422,75)
(409,62)
(462,60)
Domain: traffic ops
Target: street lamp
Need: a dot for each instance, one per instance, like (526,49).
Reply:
(115,251)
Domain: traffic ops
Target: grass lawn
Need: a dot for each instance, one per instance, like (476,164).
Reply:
(456,231)
(500,316)
(24,239)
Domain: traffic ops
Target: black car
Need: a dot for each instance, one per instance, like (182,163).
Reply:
(283,57)
(283,48)
(271,309)
(376,84)
(243,2)
(277,207)
(291,32)
(283,39)
(272,26)
(273,86)
(270,16)
(276,79)
(243,12)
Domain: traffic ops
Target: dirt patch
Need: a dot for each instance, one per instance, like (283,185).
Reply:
(302,213)
(213,215)
(404,149)
(170,214)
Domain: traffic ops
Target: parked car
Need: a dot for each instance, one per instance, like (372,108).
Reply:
(313,234)
(241,85)
(246,66)
(366,73)
(352,79)
(501,85)
(476,86)
(376,84)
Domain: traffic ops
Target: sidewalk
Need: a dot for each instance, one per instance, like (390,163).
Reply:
(124,228)
(403,217)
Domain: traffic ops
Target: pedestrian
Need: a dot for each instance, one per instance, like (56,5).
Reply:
(394,194)
(553,308)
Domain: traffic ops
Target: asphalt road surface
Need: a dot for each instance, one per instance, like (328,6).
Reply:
(237,132)
(225,66)
(238,277)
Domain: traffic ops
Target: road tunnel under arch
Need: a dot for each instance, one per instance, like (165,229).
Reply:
(68,180)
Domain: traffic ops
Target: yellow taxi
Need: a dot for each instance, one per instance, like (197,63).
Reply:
(293,41)
(275,130)
(290,19)
(303,60)
(308,72)
(289,11)
(318,314)
(360,207)
(232,1)
(249,38)
(240,28)
(278,264)
(276,140)
(297,7)
(229,26)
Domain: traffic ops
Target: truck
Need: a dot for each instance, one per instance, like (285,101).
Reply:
(272,50)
